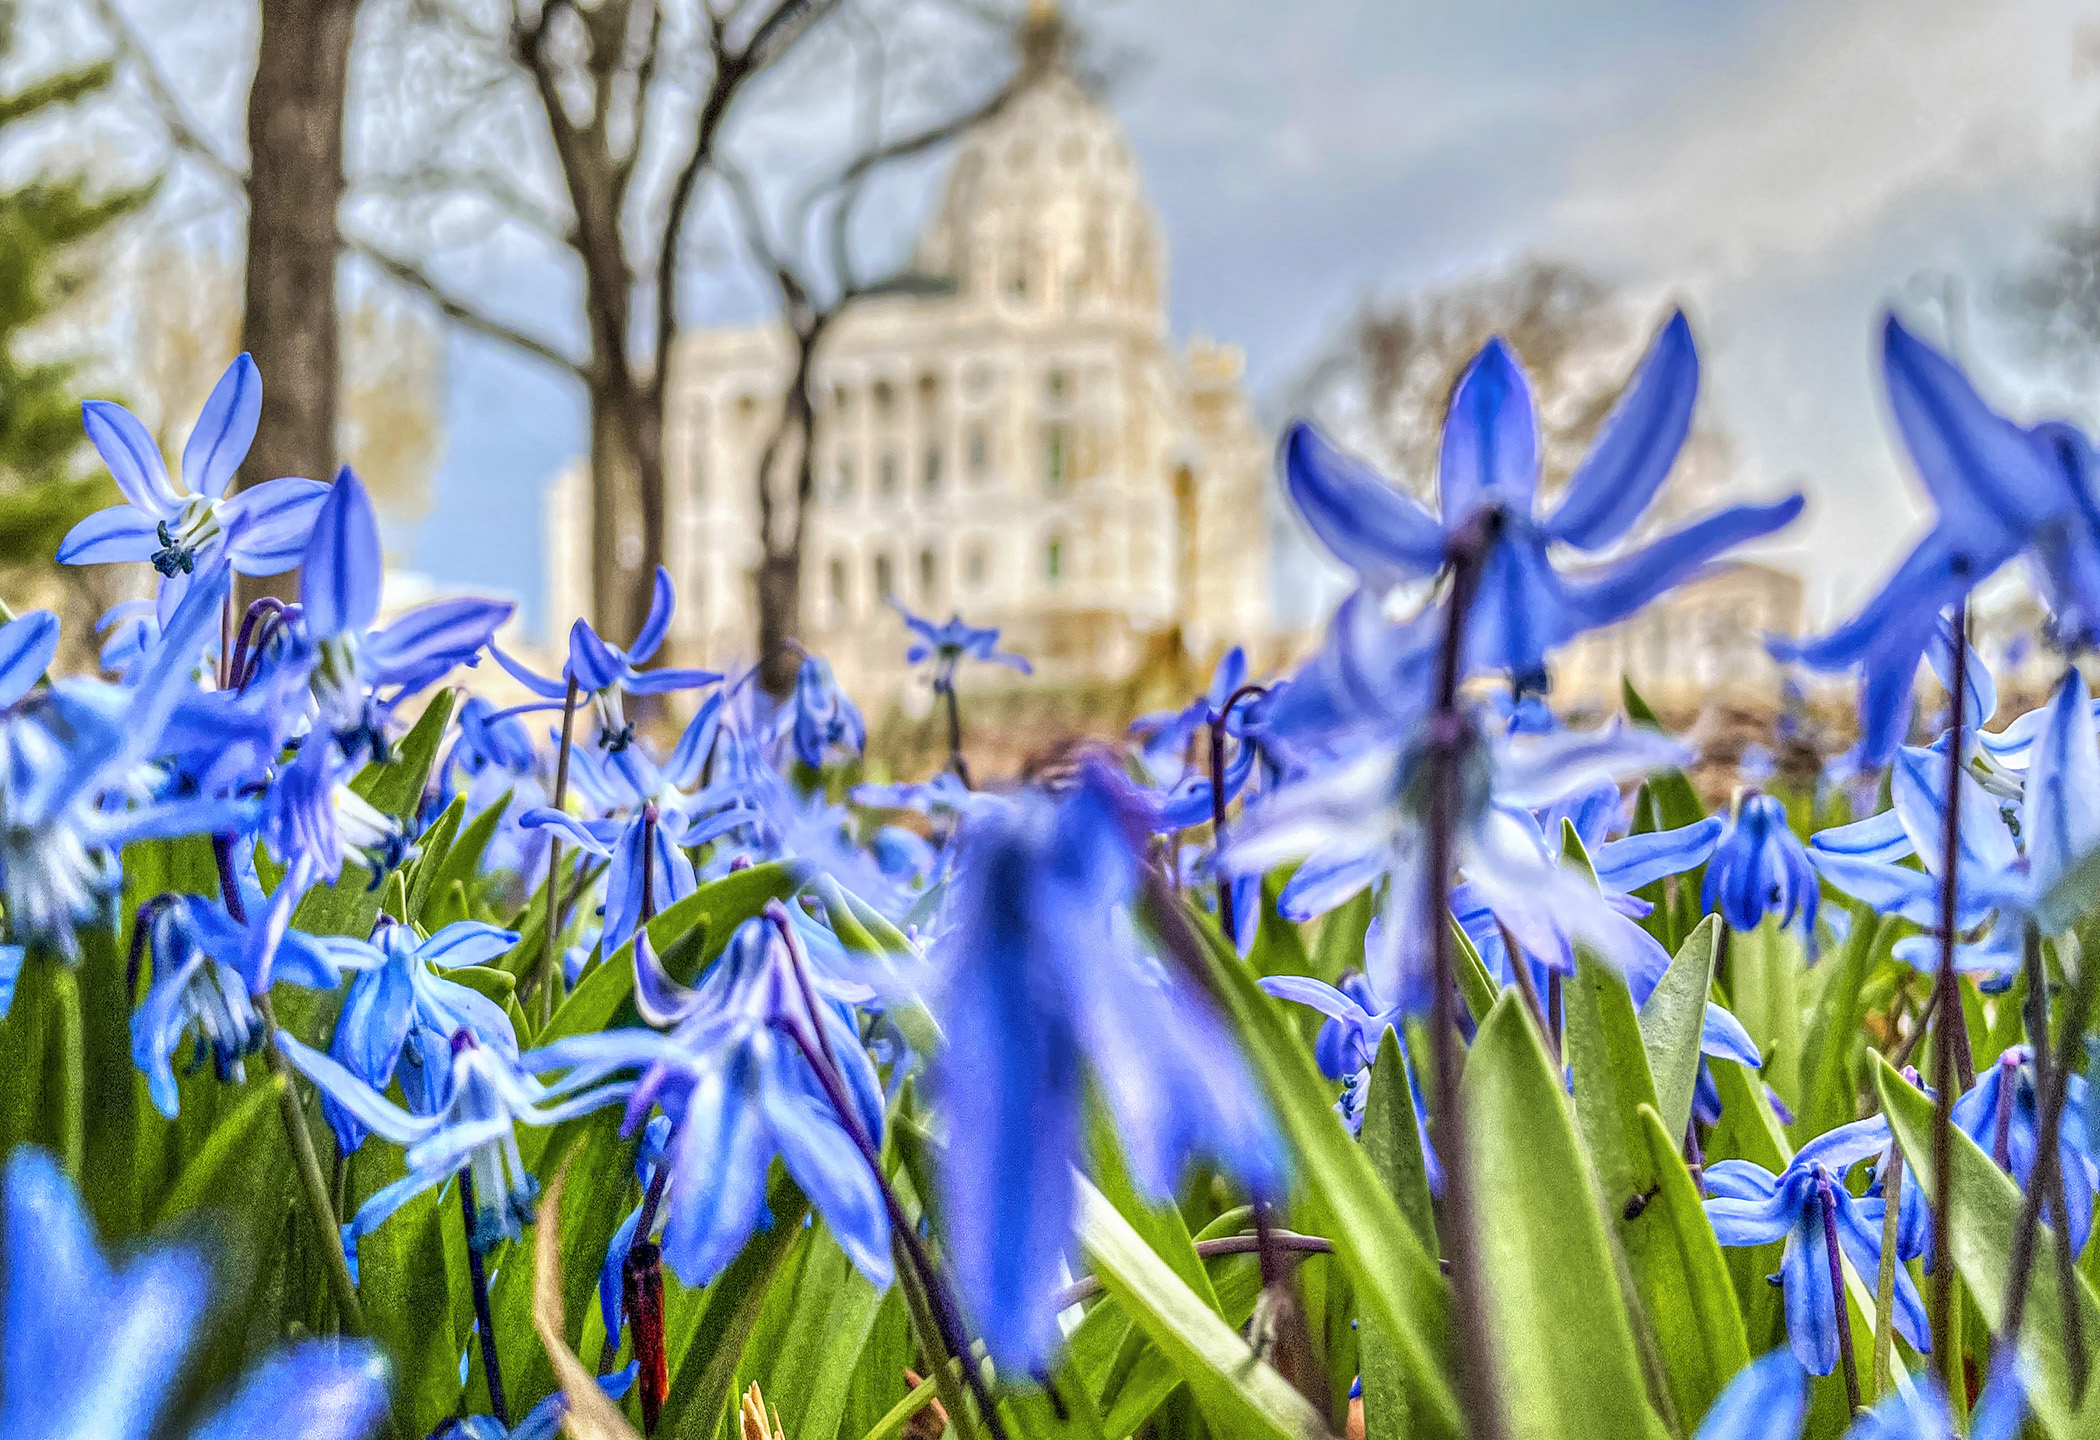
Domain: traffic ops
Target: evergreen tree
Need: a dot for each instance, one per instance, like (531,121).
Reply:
(43,264)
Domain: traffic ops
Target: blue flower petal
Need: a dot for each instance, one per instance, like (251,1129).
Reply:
(339,579)
(1639,443)
(1374,529)
(133,459)
(120,533)
(225,429)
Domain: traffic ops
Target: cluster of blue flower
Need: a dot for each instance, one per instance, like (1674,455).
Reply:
(1042,955)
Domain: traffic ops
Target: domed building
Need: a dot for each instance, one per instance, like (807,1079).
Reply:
(1011,434)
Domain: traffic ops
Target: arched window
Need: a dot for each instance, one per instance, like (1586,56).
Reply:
(977,450)
(885,581)
(932,473)
(974,567)
(929,577)
(1057,459)
(838,588)
(886,475)
(1054,560)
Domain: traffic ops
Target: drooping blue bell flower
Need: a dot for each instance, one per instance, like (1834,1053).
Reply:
(261,530)
(740,1089)
(1488,476)
(486,1096)
(542,1422)
(825,723)
(1760,867)
(2001,1114)
(2000,492)
(92,1349)
(27,644)
(604,672)
(1045,987)
(1752,1206)
(1347,1049)
(1767,1400)
(400,995)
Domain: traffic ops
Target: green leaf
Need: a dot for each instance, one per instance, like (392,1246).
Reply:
(246,1131)
(1392,1140)
(808,1374)
(497,985)
(351,905)
(436,846)
(1986,1210)
(1765,968)
(1396,1278)
(412,1279)
(1239,1395)
(1475,985)
(1160,1226)
(1681,1275)
(1564,1344)
(1671,1023)
(462,862)
(1827,1099)
(704,1339)
(1611,1071)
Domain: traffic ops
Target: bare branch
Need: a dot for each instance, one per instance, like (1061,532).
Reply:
(419,184)
(408,273)
(183,132)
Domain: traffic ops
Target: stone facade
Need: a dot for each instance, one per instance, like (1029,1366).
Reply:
(1013,435)
(1703,641)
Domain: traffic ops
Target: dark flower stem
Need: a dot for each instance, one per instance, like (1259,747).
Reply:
(642,1273)
(1527,987)
(2044,1184)
(1826,1202)
(1694,1157)
(815,1046)
(1951,1059)
(1554,1012)
(1449,737)
(477,1271)
(550,964)
(960,766)
(1226,918)
(313,1183)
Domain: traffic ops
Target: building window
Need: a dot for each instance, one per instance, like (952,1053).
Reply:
(1057,459)
(1056,386)
(885,398)
(886,475)
(929,577)
(1054,560)
(978,450)
(841,400)
(838,589)
(931,476)
(974,567)
(929,390)
(845,480)
(885,582)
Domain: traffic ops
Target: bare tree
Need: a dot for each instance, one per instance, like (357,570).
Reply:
(817,280)
(631,97)
(2054,301)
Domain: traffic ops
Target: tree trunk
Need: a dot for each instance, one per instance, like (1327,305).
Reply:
(626,477)
(295,184)
(779,616)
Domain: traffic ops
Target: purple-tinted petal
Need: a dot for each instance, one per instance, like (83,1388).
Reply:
(1767,1400)
(595,664)
(667,680)
(107,537)
(1382,534)
(1490,446)
(432,639)
(270,524)
(224,431)
(1621,588)
(1638,860)
(26,647)
(657,624)
(1984,474)
(339,580)
(133,459)
(538,684)
(1612,487)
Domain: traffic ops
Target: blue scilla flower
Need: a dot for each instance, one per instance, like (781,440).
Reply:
(604,672)
(1752,1206)
(400,996)
(823,719)
(1361,821)
(1488,475)
(2000,1114)
(1347,1048)
(2000,491)
(1046,987)
(2013,850)
(89,1349)
(1759,868)
(66,750)
(206,966)
(1164,736)
(736,1080)
(947,646)
(261,530)
(649,1156)
(1767,1400)
(487,1095)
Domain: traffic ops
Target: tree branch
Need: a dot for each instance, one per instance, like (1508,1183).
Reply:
(183,132)
(407,273)
(497,190)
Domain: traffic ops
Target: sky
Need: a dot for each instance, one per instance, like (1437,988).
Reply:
(1787,171)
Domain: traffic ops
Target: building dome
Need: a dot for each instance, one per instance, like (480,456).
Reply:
(1045,210)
